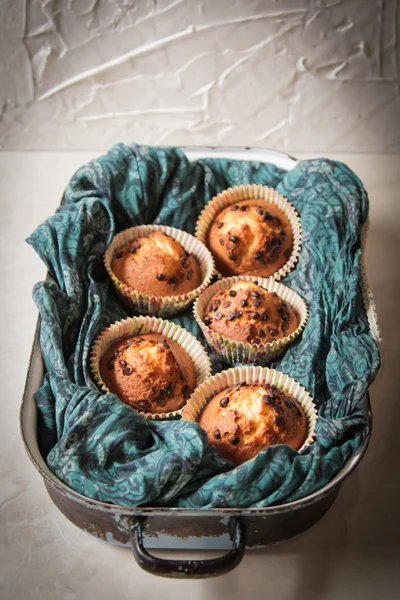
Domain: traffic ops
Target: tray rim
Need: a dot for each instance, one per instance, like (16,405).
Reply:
(282,160)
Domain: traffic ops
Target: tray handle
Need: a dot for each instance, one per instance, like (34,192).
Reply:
(189,569)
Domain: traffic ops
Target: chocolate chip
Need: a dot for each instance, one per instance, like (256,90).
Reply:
(243,208)
(258,256)
(243,303)
(220,225)
(218,316)
(135,246)
(183,259)
(259,210)
(287,253)
(116,353)
(277,408)
(230,316)
(289,403)
(264,316)
(144,404)
(274,294)
(169,391)
(277,219)
(235,207)
(279,421)
(267,399)
(238,313)
(161,401)
(186,392)
(161,277)
(268,216)
(256,302)
(267,386)
(221,241)
(255,294)
(122,363)
(110,365)
(255,341)
(224,401)
(189,274)
(267,246)
(231,256)
(234,239)
(207,320)
(232,293)
(217,434)
(165,344)
(282,233)
(255,315)
(214,305)
(234,440)
(127,370)
(270,340)
(226,304)
(285,326)
(299,413)
(275,241)
(261,333)
(119,255)
(243,383)
(173,280)
(273,331)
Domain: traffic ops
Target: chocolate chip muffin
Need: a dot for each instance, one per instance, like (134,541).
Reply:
(251,237)
(149,372)
(250,314)
(157,265)
(244,419)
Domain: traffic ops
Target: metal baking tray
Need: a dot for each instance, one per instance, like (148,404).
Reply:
(146,528)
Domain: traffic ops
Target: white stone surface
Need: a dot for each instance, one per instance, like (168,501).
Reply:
(303,75)
(352,554)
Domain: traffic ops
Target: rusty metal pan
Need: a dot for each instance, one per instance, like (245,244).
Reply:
(145,528)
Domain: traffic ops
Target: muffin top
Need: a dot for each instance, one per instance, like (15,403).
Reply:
(251,237)
(149,372)
(248,313)
(242,420)
(157,265)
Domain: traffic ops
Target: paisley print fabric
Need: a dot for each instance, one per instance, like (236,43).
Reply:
(103,449)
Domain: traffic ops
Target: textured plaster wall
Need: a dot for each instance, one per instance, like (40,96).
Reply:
(288,74)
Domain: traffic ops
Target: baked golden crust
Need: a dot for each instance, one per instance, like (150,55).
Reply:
(149,372)
(251,237)
(248,313)
(243,420)
(157,265)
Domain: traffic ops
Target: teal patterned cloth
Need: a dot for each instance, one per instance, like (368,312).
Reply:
(102,448)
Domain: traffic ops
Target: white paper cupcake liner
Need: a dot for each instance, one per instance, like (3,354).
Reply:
(253,192)
(142,325)
(256,375)
(231,351)
(159,306)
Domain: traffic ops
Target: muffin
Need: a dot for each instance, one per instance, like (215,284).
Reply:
(242,420)
(150,372)
(157,265)
(250,237)
(249,313)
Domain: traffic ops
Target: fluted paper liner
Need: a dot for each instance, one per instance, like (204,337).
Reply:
(159,306)
(231,351)
(253,192)
(142,325)
(256,375)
